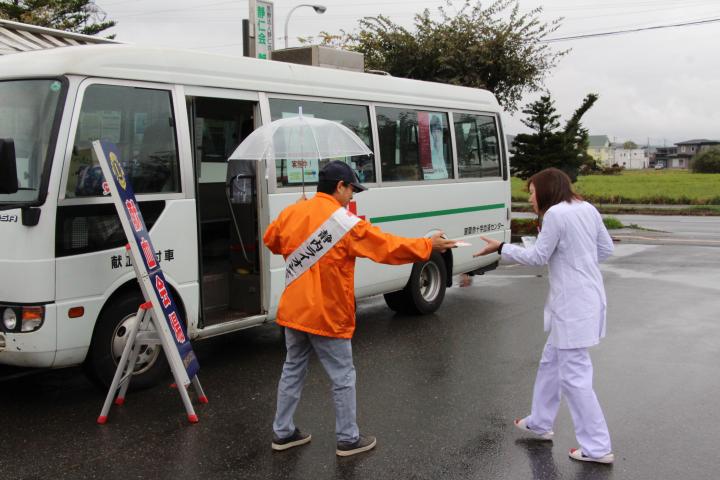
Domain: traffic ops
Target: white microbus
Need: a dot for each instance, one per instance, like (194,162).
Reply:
(67,288)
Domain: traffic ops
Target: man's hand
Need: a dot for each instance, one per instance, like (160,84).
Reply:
(491,247)
(440,244)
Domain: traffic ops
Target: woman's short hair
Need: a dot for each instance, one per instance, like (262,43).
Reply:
(552,186)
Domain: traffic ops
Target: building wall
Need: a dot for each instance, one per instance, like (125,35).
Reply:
(678,163)
(601,154)
(632,159)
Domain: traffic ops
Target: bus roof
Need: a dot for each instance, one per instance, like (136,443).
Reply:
(189,67)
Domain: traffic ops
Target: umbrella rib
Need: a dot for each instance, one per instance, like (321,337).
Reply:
(317,145)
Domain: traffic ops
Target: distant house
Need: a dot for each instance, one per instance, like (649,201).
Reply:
(686,151)
(630,158)
(608,154)
(20,37)
(599,147)
(664,156)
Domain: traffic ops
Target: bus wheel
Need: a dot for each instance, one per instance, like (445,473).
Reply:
(425,291)
(109,339)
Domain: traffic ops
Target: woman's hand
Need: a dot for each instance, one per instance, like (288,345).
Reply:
(491,247)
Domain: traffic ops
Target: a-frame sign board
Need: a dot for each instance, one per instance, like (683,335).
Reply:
(159,310)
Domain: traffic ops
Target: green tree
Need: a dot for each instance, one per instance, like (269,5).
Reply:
(497,47)
(551,146)
(78,16)
(707,161)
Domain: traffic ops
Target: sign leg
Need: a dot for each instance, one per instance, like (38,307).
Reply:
(183,389)
(122,367)
(142,323)
(198,390)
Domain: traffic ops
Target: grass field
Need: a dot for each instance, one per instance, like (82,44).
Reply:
(666,187)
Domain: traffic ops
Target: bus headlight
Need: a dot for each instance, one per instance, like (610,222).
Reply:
(10,319)
(17,319)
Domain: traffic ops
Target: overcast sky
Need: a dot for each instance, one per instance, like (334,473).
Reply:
(660,86)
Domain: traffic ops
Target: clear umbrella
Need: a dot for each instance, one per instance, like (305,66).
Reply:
(300,139)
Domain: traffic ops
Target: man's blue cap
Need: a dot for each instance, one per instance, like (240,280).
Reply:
(337,171)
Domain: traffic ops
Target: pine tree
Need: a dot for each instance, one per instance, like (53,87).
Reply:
(78,16)
(551,146)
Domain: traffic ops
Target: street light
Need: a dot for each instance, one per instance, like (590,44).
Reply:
(318,9)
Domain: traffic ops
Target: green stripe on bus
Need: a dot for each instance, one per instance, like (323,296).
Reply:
(436,213)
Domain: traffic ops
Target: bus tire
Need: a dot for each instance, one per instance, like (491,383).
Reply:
(108,340)
(425,291)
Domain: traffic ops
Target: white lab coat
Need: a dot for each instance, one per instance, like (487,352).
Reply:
(572,242)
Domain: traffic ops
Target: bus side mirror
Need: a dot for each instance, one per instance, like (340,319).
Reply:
(8,166)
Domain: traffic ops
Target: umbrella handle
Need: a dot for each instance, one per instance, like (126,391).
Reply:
(235,222)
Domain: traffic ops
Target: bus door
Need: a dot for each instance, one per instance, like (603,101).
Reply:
(227,205)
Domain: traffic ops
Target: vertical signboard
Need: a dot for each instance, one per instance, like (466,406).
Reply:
(431,141)
(262,28)
(147,268)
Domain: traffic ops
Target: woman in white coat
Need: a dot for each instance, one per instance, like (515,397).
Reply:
(572,241)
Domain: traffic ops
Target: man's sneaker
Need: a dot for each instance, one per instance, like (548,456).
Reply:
(363,444)
(521,423)
(577,454)
(296,439)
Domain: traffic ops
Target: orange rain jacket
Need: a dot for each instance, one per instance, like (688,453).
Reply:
(322,300)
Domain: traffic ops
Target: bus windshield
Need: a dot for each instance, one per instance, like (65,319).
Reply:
(27,115)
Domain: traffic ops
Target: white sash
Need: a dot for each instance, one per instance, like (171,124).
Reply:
(318,244)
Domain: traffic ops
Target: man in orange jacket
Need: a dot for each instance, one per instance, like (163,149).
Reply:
(320,240)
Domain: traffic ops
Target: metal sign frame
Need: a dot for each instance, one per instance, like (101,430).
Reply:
(171,330)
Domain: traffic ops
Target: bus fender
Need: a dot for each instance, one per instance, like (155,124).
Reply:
(129,283)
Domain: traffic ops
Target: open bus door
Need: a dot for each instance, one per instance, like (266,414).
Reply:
(227,209)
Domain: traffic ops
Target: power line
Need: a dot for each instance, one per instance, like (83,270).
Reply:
(630,12)
(632,30)
(607,5)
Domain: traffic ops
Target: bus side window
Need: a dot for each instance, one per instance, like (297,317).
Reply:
(414,145)
(354,117)
(477,146)
(140,122)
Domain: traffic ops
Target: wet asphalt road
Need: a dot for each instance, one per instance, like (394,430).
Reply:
(438,391)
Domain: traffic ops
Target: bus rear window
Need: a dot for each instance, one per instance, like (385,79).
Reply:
(477,146)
